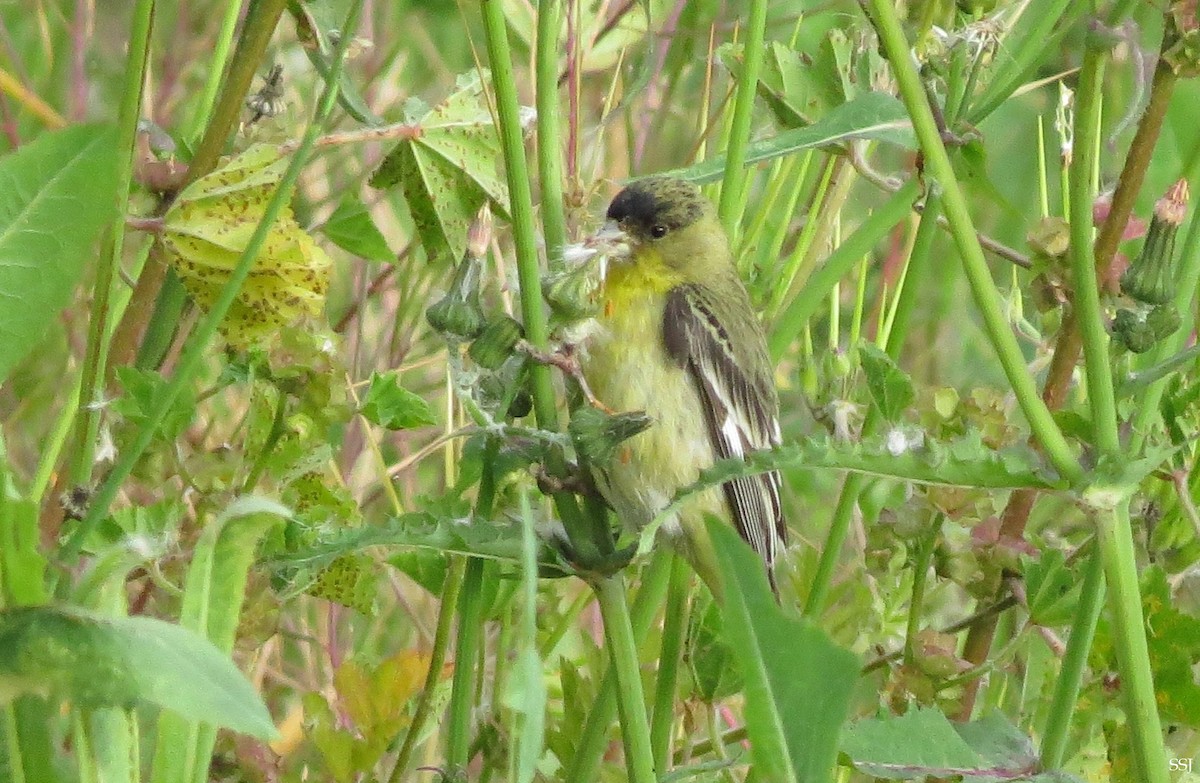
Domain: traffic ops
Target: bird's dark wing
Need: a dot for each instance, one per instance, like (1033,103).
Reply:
(740,404)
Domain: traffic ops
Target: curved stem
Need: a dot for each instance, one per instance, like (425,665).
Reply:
(983,288)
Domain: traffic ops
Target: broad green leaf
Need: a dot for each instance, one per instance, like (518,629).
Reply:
(212,604)
(798,682)
(872,115)
(56,194)
(1001,745)
(920,743)
(95,660)
(890,387)
(22,566)
(390,405)
(448,169)
(351,228)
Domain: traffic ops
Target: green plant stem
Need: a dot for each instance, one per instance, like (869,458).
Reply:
(1129,639)
(206,330)
(924,554)
(260,22)
(437,657)
(216,67)
(1113,528)
(631,703)
(983,288)
(549,134)
(1066,687)
(589,541)
(584,766)
(96,356)
(1031,47)
(674,628)
(919,264)
(1086,290)
(1069,343)
(462,689)
(734,181)
(839,263)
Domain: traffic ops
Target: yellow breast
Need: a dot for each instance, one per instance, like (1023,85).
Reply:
(627,367)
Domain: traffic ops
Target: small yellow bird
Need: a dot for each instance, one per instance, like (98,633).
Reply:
(678,338)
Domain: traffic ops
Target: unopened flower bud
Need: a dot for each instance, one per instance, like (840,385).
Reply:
(1150,278)
(597,435)
(496,343)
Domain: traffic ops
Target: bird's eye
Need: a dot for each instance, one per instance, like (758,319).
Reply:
(658,231)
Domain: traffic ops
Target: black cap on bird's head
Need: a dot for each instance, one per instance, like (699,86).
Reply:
(651,208)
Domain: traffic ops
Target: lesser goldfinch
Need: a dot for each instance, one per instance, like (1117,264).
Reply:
(678,339)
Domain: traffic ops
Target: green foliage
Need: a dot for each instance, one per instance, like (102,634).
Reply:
(447,169)
(351,228)
(97,661)
(59,193)
(390,405)
(789,666)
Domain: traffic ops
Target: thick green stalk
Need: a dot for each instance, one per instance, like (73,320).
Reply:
(1086,299)
(1066,687)
(206,330)
(589,752)
(734,181)
(1133,655)
(586,539)
(549,134)
(674,629)
(987,298)
(96,356)
(631,703)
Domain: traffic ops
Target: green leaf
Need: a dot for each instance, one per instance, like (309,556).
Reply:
(98,661)
(964,462)
(919,743)
(891,388)
(798,682)
(351,228)
(390,405)
(1001,745)
(710,659)
(448,168)
(1052,588)
(56,194)
(142,388)
(212,605)
(872,115)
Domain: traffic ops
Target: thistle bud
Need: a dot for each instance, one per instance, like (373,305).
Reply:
(496,343)
(459,314)
(597,434)
(1150,278)
(1139,330)
(572,293)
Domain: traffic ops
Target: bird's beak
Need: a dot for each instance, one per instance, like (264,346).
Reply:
(611,240)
